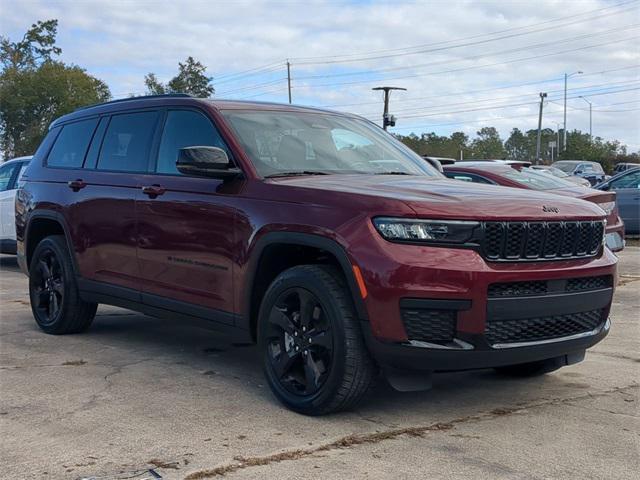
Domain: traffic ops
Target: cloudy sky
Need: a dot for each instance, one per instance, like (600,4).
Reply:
(465,64)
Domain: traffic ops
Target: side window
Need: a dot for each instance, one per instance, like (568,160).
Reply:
(127,142)
(185,128)
(19,182)
(6,172)
(632,180)
(71,145)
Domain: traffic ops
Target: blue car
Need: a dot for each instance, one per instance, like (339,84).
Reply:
(592,171)
(627,187)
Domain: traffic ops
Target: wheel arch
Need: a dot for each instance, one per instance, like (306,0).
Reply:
(266,254)
(42,224)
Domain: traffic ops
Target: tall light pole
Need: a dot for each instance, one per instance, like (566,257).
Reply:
(564,135)
(387,120)
(590,118)
(538,140)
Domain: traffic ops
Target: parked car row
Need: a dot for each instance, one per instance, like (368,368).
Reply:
(315,234)
(505,175)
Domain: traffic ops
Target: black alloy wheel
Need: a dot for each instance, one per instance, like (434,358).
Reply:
(300,342)
(47,287)
(53,289)
(315,358)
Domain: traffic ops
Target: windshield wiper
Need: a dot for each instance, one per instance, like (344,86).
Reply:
(393,173)
(297,173)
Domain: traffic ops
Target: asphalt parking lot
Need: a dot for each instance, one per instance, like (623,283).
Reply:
(136,393)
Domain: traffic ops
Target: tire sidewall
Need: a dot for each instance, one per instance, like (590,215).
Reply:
(299,278)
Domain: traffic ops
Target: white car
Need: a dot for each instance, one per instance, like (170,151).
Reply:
(10,175)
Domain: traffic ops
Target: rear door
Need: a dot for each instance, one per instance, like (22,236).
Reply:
(102,214)
(186,228)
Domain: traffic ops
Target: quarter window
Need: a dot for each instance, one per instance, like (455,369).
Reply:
(71,145)
(6,172)
(185,129)
(127,142)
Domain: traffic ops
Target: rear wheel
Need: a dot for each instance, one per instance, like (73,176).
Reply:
(315,359)
(53,291)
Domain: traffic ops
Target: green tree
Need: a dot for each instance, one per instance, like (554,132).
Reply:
(191,79)
(35,89)
(488,144)
(36,46)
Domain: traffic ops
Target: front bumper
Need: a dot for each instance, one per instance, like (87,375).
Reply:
(474,352)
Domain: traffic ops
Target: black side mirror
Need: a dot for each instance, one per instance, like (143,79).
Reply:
(203,161)
(606,187)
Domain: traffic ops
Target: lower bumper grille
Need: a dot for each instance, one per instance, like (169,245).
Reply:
(543,328)
(429,325)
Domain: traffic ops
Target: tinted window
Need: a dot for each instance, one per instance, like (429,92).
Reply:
(185,129)
(19,181)
(535,180)
(71,145)
(631,180)
(467,177)
(6,172)
(127,142)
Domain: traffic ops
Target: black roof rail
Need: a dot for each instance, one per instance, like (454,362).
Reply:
(142,97)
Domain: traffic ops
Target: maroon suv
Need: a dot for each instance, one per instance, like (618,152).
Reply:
(315,234)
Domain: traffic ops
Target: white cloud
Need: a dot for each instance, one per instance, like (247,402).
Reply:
(120,41)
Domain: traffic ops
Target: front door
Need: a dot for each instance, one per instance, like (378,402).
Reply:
(186,226)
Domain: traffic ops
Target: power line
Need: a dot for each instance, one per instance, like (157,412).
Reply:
(471,92)
(474,57)
(587,47)
(508,105)
(585,90)
(303,60)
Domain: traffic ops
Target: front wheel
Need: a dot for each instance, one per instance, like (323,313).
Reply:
(314,355)
(53,291)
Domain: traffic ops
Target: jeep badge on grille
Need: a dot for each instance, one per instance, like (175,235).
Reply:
(547,208)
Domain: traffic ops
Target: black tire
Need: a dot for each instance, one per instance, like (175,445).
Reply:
(332,372)
(53,290)
(532,369)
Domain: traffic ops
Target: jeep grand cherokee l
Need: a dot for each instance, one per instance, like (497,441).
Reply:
(315,234)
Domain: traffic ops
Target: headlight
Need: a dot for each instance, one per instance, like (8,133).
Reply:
(428,231)
(607,207)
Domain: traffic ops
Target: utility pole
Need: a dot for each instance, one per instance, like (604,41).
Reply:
(289,79)
(590,118)
(538,159)
(564,135)
(387,120)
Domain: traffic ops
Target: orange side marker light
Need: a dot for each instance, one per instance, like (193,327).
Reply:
(360,281)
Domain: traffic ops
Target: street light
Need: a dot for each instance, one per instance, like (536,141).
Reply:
(564,136)
(590,117)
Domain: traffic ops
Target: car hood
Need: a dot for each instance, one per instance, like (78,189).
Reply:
(444,198)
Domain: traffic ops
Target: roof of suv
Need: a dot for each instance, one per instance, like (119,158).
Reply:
(185,100)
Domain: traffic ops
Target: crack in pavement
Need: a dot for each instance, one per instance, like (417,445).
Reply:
(354,440)
(616,355)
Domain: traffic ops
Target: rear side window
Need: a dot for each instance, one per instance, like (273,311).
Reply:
(127,142)
(185,128)
(71,144)
(6,172)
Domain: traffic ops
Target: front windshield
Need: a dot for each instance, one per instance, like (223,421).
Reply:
(537,180)
(289,143)
(568,167)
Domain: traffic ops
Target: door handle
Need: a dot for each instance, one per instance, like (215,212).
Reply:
(77,184)
(153,190)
